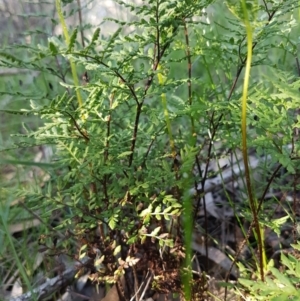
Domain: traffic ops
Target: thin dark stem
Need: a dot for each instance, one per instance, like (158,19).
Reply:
(254,210)
(149,81)
(111,98)
(106,151)
(267,188)
(157,43)
(240,50)
(135,130)
(214,131)
(189,81)
(82,133)
(116,72)
(296,176)
(80,23)
(198,193)
(46,224)
(266,7)
(149,148)
(298,66)
(188,55)
(295,208)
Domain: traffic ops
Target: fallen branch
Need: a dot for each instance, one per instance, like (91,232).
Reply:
(51,285)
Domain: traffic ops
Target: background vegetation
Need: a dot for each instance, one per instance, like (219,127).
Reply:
(157,150)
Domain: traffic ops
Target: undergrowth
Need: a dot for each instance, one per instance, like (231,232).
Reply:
(136,120)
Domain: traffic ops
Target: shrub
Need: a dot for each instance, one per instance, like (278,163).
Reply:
(159,100)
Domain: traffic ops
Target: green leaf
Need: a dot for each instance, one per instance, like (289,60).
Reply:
(112,39)
(10,57)
(297,269)
(168,209)
(169,243)
(52,48)
(296,246)
(112,222)
(157,209)
(155,231)
(94,38)
(283,280)
(72,40)
(124,154)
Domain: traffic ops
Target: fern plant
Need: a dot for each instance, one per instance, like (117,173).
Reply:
(139,133)
(280,284)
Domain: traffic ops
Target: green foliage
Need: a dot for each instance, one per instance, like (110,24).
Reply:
(164,85)
(279,284)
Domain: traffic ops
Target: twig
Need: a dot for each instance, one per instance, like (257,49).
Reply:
(80,22)
(51,285)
